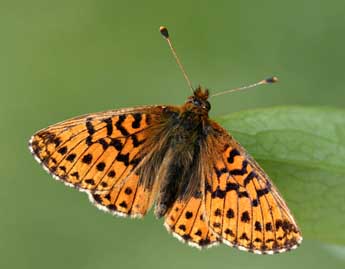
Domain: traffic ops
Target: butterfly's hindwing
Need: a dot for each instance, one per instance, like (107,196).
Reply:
(242,205)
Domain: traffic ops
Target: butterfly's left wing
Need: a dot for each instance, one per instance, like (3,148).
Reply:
(242,205)
(99,153)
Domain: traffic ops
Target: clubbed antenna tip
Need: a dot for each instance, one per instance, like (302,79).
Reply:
(164,31)
(271,80)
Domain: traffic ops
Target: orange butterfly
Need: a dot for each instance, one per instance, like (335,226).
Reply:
(208,188)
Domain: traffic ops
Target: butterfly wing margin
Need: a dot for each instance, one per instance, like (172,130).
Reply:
(242,205)
(98,153)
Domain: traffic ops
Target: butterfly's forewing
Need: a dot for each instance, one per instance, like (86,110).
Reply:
(242,205)
(99,153)
(186,221)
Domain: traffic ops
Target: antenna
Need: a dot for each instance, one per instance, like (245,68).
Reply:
(261,82)
(165,34)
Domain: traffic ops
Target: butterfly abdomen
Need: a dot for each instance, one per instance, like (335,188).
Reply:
(178,181)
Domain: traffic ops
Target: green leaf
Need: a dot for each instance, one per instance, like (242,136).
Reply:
(303,151)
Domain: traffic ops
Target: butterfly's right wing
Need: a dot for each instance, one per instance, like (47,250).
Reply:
(242,205)
(99,153)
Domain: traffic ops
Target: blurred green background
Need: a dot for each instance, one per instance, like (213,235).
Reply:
(64,58)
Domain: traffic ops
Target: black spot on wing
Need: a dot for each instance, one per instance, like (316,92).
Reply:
(243,194)
(262,192)
(268,226)
(279,223)
(75,174)
(232,186)
(255,202)
(249,178)
(204,242)
(233,153)
(87,159)
(182,227)
(62,150)
(111,173)
(245,217)
(109,126)
(220,172)
(119,126)
(116,143)
(229,232)
(128,191)
(186,237)
(137,120)
(88,140)
(217,212)
(90,181)
(100,166)
(57,141)
(112,207)
(62,168)
(198,233)
(230,213)
(188,215)
(216,224)
(71,157)
(123,204)
(89,126)
(244,237)
(123,158)
(135,141)
(218,193)
(97,198)
(104,143)
(258,226)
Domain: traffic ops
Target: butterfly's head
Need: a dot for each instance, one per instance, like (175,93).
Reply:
(198,101)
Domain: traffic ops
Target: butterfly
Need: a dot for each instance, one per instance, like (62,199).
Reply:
(196,175)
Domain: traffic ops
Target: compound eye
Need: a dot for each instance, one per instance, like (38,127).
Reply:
(196,102)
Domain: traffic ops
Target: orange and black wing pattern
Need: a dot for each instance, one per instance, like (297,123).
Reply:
(243,207)
(99,153)
(186,221)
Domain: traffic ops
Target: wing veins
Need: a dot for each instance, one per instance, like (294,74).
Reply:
(270,210)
